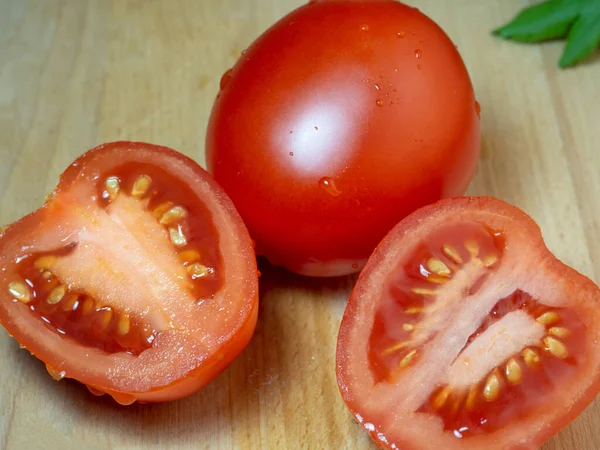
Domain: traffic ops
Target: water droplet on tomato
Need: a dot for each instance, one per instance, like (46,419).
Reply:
(401,34)
(95,391)
(364,28)
(418,53)
(124,399)
(355,266)
(328,185)
(56,374)
(225,79)
(478,108)
(418,66)
(379,102)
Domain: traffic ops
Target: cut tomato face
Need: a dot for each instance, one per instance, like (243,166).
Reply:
(137,277)
(465,332)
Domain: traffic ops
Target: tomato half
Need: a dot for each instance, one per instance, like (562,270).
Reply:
(337,122)
(137,277)
(464,332)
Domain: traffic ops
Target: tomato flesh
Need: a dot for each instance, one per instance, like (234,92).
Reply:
(75,314)
(114,282)
(535,369)
(414,288)
(477,337)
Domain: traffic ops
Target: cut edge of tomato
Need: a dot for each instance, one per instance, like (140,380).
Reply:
(353,374)
(196,379)
(240,270)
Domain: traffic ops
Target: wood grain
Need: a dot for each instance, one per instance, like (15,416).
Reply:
(76,73)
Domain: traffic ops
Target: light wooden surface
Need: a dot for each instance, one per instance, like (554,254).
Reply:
(76,73)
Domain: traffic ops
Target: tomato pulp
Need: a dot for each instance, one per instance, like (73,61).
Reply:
(464,332)
(338,121)
(137,277)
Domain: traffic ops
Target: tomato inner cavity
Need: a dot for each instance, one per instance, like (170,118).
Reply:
(518,352)
(147,253)
(166,195)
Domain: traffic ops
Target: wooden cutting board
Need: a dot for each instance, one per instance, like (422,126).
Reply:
(76,73)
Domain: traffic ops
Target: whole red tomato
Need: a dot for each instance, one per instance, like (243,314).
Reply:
(341,119)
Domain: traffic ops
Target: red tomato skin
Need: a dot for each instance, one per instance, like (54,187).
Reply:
(370,96)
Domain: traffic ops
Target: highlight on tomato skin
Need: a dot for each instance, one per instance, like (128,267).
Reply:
(338,121)
(137,277)
(464,332)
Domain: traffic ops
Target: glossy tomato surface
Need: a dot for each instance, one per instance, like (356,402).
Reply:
(137,277)
(464,332)
(337,122)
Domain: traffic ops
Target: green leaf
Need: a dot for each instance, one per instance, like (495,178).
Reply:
(548,20)
(576,20)
(583,38)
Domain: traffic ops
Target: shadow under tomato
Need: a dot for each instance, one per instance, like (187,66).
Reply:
(270,386)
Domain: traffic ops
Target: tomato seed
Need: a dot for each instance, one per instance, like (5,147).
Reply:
(88,306)
(440,399)
(177,237)
(56,295)
(46,275)
(514,373)
(71,303)
(423,291)
(559,332)
(472,398)
(491,391)
(555,347)
(472,248)
(452,253)
(124,325)
(19,291)
(141,186)
(548,318)
(437,279)
(197,270)
(436,266)
(490,260)
(45,262)
(531,358)
(394,348)
(407,359)
(104,317)
(161,209)
(173,215)
(189,256)
(113,185)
